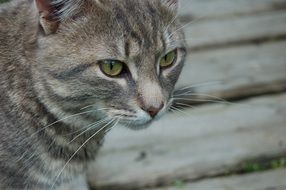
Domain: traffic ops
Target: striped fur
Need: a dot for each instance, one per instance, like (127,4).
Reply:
(52,88)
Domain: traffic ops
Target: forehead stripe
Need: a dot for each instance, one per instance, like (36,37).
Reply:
(70,73)
(127,49)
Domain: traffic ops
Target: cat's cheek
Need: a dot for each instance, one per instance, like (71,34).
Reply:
(120,81)
(170,78)
(58,88)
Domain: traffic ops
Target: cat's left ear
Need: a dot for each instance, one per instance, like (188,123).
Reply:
(172,5)
(47,16)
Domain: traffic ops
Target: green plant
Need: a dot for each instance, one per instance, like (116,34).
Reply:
(250,167)
(3,1)
(179,184)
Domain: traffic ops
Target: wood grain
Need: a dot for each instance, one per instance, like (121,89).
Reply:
(236,72)
(271,180)
(206,141)
(228,31)
(210,9)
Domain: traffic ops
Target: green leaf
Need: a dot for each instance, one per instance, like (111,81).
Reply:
(3,1)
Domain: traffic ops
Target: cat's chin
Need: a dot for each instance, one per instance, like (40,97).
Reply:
(136,125)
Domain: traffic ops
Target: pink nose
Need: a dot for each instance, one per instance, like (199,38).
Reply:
(153,111)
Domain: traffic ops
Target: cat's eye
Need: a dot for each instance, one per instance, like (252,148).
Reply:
(112,68)
(169,59)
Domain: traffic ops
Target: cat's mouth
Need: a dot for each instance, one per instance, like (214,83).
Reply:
(136,119)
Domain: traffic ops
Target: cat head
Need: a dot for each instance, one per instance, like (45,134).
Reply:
(113,59)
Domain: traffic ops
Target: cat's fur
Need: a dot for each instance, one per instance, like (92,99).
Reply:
(49,72)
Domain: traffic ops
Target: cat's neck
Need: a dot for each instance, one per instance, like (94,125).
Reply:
(19,99)
(23,109)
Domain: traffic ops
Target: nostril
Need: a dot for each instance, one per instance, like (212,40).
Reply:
(153,111)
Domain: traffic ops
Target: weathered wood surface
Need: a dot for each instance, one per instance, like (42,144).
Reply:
(271,180)
(237,71)
(211,140)
(221,8)
(78,184)
(227,31)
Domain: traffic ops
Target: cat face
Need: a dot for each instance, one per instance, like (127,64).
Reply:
(114,59)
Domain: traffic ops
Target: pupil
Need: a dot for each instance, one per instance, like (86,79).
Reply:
(111,65)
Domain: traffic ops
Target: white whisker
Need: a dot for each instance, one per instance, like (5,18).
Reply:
(88,128)
(183,40)
(189,93)
(200,85)
(202,100)
(65,118)
(69,160)
(183,26)
(91,105)
(172,21)
(179,110)
(186,105)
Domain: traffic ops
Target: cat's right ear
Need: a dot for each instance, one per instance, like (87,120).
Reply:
(47,16)
(172,5)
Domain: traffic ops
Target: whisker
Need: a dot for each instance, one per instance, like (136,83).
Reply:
(174,47)
(170,103)
(179,110)
(118,119)
(202,100)
(200,85)
(39,153)
(129,123)
(184,105)
(172,21)
(83,108)
(180,28)
(204,95)
(184,26)
(88,128)
(171,109)
(69,160)
(65,118)
(183,40)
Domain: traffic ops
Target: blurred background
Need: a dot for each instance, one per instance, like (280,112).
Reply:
(227,128)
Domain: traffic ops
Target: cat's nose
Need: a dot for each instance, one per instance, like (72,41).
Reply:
(153,111)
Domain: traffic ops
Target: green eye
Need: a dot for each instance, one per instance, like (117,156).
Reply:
(168,59)
(111,68)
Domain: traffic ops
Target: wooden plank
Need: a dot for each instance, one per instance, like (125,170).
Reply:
(238,71)
(208,141)
(271,180)
(211,33)
(77,184)
(221,8)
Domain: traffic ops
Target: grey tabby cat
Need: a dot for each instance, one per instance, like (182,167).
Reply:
(72,70)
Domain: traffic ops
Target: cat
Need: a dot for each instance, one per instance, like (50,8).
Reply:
(70,71)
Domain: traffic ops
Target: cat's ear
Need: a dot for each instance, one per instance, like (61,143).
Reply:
(171,4)
(52,12)
(47,16)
